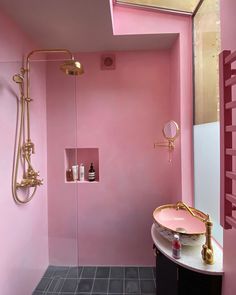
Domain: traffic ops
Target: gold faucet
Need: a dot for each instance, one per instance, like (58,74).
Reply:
(207,249)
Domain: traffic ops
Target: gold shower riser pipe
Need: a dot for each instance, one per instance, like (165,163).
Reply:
(27,71)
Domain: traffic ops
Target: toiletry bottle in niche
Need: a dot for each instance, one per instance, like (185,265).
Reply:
(69,175)
(75,171)
(176,247)
(81,172)
(91,173)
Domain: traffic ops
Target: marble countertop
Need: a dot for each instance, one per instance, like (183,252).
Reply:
(190,256)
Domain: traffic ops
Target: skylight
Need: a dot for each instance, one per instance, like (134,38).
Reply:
(184,6)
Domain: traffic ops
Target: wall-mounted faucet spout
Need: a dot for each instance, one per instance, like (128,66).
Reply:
(207,249)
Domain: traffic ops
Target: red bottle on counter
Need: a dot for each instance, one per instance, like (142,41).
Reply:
(176,247)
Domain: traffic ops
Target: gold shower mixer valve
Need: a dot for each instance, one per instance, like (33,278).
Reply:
(25,182)
(31,179)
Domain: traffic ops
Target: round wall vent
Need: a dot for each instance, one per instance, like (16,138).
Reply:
(108,62)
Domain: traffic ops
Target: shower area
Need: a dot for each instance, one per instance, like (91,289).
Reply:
(35,225)
(98,231)
(81,236)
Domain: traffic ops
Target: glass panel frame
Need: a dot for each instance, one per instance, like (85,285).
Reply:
(188,7)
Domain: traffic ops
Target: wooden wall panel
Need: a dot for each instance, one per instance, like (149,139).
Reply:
(206,69)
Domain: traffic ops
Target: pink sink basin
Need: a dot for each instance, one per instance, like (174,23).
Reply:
(170,221)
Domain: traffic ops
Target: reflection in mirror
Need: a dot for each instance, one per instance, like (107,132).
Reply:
(170,132)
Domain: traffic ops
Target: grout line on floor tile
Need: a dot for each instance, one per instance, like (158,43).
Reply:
(109,277)
(139,283)
(96,269)
(82,269)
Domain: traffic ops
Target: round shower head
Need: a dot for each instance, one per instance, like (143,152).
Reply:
(72,67)
(18,78)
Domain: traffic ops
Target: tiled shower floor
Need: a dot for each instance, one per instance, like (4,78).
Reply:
(97,280)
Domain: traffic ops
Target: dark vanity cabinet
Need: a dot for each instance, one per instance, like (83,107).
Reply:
(173,279)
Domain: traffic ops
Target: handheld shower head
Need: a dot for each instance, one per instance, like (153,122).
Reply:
(18,78)
(72,67)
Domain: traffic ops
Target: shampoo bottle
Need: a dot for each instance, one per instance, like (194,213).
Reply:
(75,171)
(81,172)
(91,174)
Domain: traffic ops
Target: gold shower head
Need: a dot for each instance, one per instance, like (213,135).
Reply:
(72,67)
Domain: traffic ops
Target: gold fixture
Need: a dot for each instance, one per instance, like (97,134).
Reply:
(207,249)
(25,147)
(170,132)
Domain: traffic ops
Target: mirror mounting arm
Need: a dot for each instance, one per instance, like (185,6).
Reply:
(170,132)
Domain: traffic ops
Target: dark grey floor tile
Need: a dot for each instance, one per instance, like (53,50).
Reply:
(132,286)
(85,285)
(61,271)
(103,272)
(100,286)
(43,284)
(88,272)
(147,286)
(59,285)
(65,293)
(115,286)
(38,293)
(74,272)
(145,273)
(131,272)
(49,272)
(51,293)
(53,284)
(117,272)
(70,285)
(154,271)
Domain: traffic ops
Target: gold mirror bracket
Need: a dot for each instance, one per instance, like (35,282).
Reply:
(170,132)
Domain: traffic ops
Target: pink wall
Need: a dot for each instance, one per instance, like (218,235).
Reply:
(23,229)
(138,21)
(62,197)
(120,112)
(176,187)
(228,42)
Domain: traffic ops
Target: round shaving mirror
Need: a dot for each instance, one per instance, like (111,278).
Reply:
(170,130)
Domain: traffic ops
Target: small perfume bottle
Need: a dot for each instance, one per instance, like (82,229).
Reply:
(91,173)
(176,247)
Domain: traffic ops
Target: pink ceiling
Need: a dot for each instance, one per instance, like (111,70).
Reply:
(79,25)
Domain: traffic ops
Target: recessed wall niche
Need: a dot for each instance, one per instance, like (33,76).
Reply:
(76,156)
